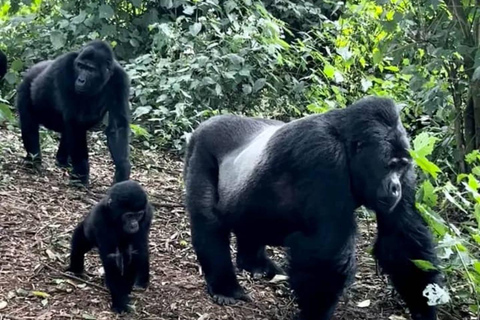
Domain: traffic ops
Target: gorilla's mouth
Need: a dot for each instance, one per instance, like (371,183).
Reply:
(131,230)
(81,89)
(388,204)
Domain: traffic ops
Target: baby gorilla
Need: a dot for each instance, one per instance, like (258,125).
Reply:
(118,226)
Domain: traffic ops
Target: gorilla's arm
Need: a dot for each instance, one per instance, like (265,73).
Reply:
(322,254)
(117,280)
(118,130)
(142,260)
(402,237)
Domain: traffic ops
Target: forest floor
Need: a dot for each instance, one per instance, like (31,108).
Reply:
(39,210)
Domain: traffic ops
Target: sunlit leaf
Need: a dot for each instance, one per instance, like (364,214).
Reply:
(476,213)
(345,53)
(429,196)
(366,84)
(424,265)
(259,84)
(195,29)
(329,71)
(80,18)
(5,113)
(377,56)
(423,144)
(57,39)
(453,201)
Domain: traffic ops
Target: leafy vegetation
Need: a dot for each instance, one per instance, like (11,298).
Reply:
(189,60)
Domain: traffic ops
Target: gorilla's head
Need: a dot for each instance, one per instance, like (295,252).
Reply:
(128,203)
(93,68)
(379,157)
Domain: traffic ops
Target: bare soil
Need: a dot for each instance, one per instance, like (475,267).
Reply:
(39,210)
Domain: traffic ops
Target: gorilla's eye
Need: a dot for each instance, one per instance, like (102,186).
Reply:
(393,163)
(398,163)
(86,67)
(140,214)
(404,161)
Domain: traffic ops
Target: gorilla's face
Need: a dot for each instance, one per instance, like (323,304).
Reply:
(127,217)
(131,221)
(378,166)
(93,69)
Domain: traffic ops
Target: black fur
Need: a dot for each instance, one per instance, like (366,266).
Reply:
(124,252)
(298,185)
(70,95)
(3,64)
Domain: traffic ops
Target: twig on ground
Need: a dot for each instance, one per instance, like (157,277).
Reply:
(76,278)
(166,204)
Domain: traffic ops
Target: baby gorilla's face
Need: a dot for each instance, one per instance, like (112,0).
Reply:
(131,221)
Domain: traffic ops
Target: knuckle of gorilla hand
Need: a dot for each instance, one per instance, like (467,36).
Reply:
(274,183)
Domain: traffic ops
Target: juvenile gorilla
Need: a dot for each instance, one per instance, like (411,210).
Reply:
(3,64)
(70,95)
(118,226)
(297,185)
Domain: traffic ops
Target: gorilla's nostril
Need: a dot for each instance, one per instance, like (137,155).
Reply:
(395,189)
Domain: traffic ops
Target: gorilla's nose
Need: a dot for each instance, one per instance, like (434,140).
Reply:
(394,188)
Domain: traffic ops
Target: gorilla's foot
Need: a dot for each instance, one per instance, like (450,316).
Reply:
(140,285)
(63,163)
(121,308)
(78,272)
(228,299)
(263,268)
(79,180)
(33,162)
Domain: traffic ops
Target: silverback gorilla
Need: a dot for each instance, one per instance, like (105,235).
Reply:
(3,64)
(119,227)
(297,185)
(70,95)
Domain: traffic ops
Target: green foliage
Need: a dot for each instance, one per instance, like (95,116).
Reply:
(215,63)
(423,146)
(424,265)
(191,59)
(458,241)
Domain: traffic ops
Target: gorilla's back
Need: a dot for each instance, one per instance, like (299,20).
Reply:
(237,167)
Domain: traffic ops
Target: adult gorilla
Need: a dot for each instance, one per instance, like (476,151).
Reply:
(70,95)
(298,185)
(3,64)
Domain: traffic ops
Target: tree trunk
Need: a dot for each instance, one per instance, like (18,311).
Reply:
(475,92)
(469,125)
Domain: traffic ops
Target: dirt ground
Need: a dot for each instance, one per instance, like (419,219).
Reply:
(38,211)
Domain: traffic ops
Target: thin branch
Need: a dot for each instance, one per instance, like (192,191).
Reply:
(458,11)
(76,278)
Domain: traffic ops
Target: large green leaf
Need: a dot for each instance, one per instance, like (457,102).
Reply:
(106,11)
